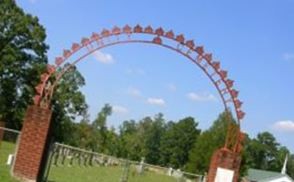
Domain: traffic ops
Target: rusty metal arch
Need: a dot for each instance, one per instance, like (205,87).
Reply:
(158,36)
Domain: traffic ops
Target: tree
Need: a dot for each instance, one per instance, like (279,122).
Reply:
(100,128)
(263,151)
(68,102)
(177,141)
(142,139)
(290,166)
(152,133)
(130,145)
(22,60)
(209,141)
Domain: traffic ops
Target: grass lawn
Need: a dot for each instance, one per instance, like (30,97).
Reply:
(101,174)
(5,149)
(80,174)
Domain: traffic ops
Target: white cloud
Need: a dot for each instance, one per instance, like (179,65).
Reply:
(172,87)
(134,92)
(288,56)
(120,110)
(201,97)
(156,101)
(286,126)
(136,71)
(103,57)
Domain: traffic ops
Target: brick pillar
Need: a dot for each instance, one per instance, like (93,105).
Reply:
(2,124)
(225,159)
(32,142)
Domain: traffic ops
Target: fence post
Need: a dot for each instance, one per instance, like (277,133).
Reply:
(2,124)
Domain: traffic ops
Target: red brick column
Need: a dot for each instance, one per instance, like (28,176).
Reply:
(226,159)
(32,143)
(2,124)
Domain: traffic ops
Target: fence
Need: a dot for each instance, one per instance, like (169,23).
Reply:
(67,163)
(8,146)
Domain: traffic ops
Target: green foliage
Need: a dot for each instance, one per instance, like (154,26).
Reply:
(206,144)
(100,130)
(68,102)
(177,141)
(290,166)
(264,152)
(22,60)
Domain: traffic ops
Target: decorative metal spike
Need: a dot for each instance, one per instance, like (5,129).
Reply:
(223,74)
(148,30)
(190,44)
(200,50)
(39,89)
(50,69)
(116,30)
(170,34)
(234,93)
(159,31)
(66,53)
(127,29)
(157,40)
(58,61)
(75,47)
(85,41)
(230,83)
(208,57)
(180,38)
(240,114)
(238,103)
(138,29)
(105,33)
(95,36)
(216,65)
(44,77)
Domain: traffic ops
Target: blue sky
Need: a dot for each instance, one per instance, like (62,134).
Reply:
(253,40)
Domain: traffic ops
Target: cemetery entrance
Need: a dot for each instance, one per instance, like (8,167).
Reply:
(34,143)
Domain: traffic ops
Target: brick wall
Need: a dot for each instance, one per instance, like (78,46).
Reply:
(32,143)
(225,159)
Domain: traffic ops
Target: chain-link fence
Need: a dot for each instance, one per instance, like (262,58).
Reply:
(71,164)
(8,146)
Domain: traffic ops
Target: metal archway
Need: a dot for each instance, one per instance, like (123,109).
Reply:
(149,35)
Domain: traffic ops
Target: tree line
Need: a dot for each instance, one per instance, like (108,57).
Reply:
(178,144)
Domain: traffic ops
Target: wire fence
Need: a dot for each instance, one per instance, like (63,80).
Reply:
(67,163)
(8,147)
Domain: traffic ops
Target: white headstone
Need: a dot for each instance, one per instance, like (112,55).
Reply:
(10,159)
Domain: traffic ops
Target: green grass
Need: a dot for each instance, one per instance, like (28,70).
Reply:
(5,149)
(80,174)
(101,174)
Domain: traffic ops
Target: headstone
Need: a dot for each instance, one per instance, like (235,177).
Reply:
(178,174)
(10,159)
(141,166)
(170,171)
